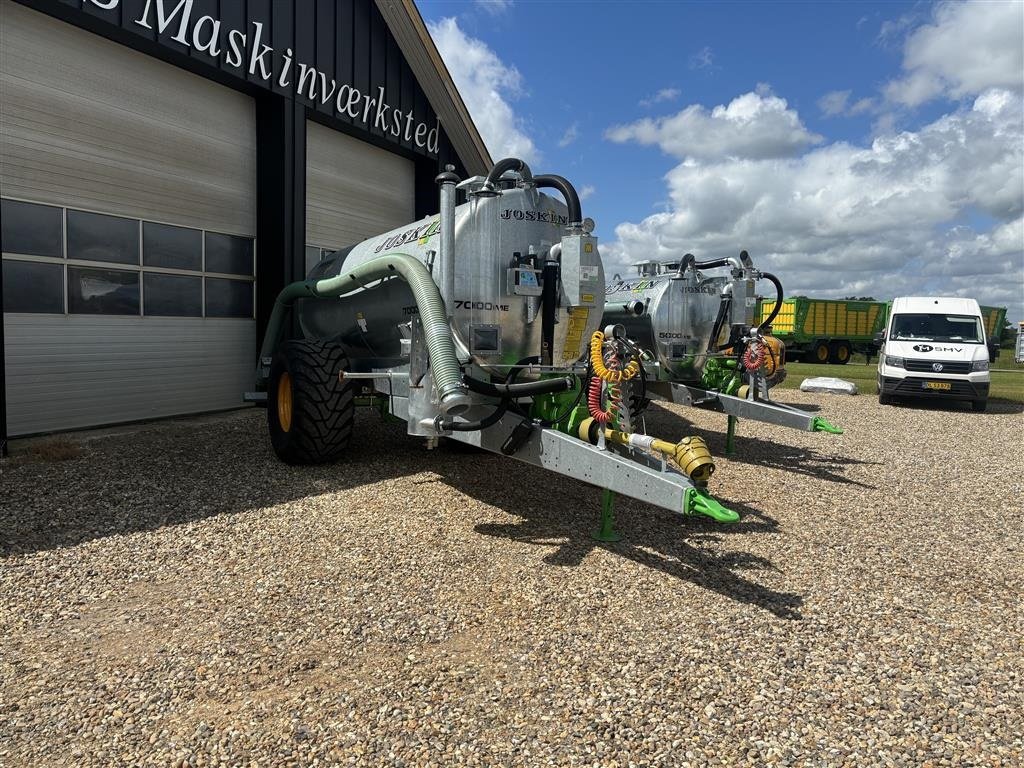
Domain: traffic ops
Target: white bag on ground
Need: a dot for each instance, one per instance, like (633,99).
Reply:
(828,384)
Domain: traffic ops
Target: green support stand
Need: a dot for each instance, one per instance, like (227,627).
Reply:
(821,424)
(730,436)
(607,530)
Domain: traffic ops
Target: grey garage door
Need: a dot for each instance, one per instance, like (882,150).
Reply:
(353,190)
(128,219)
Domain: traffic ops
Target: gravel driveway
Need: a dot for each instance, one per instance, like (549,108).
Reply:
(175,596)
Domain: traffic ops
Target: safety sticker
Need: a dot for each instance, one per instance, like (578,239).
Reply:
(578,317)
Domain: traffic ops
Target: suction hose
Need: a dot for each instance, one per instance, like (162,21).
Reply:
(508,164)
(572,200)
(778,300)
(438,334)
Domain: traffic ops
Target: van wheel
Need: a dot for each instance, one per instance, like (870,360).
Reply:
(309,412)
(839,352)
(883,399)
(818,353)
(979,405)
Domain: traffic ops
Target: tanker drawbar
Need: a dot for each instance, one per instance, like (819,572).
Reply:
(698,343)
(483,325)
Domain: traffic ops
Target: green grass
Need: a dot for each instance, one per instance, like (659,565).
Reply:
(1006,385)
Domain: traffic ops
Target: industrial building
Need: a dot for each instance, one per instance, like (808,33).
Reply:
(167,167)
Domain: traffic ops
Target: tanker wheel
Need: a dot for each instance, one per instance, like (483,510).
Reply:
(839,352)
(309,412)
(818,352)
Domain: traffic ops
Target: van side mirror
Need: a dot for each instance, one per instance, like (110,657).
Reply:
(880,338)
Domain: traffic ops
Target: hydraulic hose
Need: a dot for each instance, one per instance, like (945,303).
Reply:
(508,164)
(443,362)
(524,389)
(450,425)
(778,300)
(572,200)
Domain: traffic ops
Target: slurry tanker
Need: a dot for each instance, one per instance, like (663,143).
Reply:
(698,341)
(482,324)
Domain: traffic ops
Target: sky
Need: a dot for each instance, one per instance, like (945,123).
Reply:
(854,149)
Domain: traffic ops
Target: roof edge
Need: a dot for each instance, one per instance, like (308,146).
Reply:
(416,44)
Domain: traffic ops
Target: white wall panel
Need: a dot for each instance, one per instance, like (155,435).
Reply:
(67,372)
(353,189)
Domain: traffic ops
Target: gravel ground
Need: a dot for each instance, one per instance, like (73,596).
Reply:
(175,596)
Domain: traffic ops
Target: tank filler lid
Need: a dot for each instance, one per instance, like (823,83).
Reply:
(646,268)
(472,184)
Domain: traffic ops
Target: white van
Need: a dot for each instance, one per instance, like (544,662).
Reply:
(934,347)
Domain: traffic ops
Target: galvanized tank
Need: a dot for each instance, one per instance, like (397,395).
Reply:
(674,318)
(495,321)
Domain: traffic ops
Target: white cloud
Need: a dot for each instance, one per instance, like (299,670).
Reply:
(703,59)
(586,191)
(840,219)
(834,103)
(665,94)
(494,7)
(754,125)
(966,49)
(571,134)
(487,85)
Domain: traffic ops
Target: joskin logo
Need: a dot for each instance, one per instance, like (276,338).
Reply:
(548,217)
(419,235)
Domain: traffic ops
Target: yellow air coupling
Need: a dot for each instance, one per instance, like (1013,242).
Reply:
(601,370)
(691,454)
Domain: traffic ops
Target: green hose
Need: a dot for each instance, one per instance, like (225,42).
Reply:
(438,334)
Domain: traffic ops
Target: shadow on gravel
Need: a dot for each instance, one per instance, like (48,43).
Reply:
(178,472)
(669,544)
(175,473)
(995,405)
(765,453)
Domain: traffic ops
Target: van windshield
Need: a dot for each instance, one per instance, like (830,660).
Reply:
(937,328)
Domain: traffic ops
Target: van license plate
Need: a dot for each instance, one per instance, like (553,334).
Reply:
(943,385)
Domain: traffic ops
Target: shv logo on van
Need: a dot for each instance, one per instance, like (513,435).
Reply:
(930,348)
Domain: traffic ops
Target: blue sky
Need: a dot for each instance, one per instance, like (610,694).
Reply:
(853,148)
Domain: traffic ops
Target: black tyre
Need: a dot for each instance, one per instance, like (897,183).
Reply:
(839,352)
(818,353)
(883,399)
(309,412)
(979,405)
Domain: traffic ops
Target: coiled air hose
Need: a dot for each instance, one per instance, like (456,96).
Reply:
(438,334)
(597,362)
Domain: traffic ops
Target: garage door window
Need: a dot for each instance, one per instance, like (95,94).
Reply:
(173,295)
(58,260)
(171,247)
(97,237)
(229,254)
(31,229)
(33,287)
(102,291)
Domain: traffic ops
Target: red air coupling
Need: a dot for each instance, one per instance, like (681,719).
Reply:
(753,357)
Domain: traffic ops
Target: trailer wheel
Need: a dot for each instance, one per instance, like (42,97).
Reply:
(309,412)
(818,352)
(839,352)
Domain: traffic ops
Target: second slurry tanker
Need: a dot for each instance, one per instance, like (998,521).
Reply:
(483,325)
(698,339)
